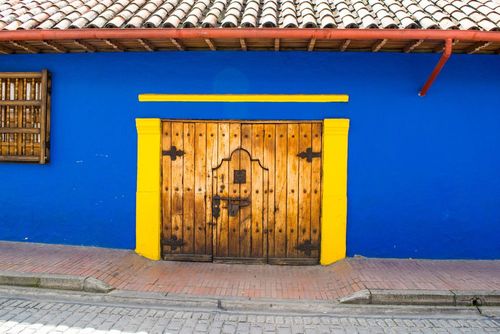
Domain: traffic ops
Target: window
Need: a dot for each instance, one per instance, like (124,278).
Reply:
(24,116)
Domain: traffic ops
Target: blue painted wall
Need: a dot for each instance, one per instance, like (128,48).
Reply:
(424,176)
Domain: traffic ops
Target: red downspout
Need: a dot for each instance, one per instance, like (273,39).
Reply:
(439,66)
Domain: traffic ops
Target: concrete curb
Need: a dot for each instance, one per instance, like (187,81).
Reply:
(363,297)
(424,297)
(54,281)
(120,298)
(222,303)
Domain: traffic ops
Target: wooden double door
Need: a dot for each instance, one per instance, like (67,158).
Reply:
(241,191)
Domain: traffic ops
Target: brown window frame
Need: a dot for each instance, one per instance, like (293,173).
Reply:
(25,117)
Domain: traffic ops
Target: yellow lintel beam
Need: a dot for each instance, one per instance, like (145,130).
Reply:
(272,98)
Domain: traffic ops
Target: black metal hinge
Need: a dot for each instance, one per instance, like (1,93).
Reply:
(174,153)
(307,247)
(308,154)
(173,242)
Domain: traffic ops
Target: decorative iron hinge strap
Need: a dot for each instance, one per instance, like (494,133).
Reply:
(308,154)
(307,247)
(173,242)
(174,153)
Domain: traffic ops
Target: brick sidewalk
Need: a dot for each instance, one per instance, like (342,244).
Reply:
(127,271)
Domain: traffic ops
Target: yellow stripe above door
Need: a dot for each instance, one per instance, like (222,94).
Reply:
(268,98)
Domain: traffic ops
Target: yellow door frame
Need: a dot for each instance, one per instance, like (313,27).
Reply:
(334,194)
(148,197)
(334,191)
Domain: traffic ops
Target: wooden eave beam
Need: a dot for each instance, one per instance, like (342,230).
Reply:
(210,44)
(413,45)
(344,45)
(276,44)
(25,47)
(114,45)
(146,45)
(243,44)
(311,45)
(177,44)
(379,45)
(5,51)
(85,46)
(54,46)
(477,47)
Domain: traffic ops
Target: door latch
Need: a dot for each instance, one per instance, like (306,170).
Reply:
(216,206)
(234,205)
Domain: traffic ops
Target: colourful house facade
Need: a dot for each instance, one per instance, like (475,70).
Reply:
(252,145)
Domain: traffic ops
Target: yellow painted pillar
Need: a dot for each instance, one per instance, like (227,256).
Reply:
(148,197)
(334,196)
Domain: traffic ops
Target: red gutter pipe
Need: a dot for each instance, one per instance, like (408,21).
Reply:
(448,48)
(249,33)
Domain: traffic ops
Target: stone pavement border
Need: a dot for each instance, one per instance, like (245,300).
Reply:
(54,281)
(76,312)
(423,297)
(120,298)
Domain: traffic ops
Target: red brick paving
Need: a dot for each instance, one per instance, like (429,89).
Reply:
(127,271)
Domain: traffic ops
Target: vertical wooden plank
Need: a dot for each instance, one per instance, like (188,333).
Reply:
(292,190)
(166,189)
(12,137)
(258,142)
(177,188)
(257,211)
(37,112)
(188,183)
(269,163)
(47,114)
(6,150)
(316,188)
(19,115)
(31,119)
(304,225)
(2,117)
(216,220)
(212,130)
(13,113)
(265,213)
(234,189)
(43,115)
(258,237)
(200,176)
(223,183)
(246,192)
(281,191)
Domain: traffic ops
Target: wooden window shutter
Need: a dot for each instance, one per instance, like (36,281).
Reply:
(25,116)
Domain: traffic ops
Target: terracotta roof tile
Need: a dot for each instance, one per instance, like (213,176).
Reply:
(373,14)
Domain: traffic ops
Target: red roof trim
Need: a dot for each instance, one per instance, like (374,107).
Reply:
(251,33)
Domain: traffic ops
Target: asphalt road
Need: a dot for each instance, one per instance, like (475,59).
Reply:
(37,311)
